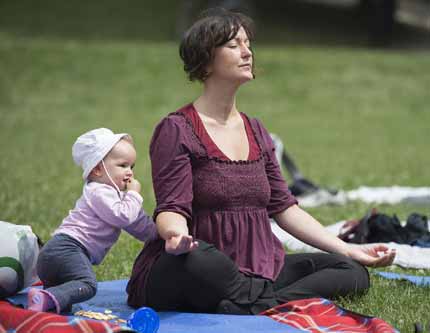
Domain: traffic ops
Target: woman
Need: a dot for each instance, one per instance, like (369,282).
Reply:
(217,183)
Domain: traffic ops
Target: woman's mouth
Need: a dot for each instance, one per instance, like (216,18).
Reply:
(246,66)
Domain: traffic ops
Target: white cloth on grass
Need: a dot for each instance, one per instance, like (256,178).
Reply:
(407,256)
(377,195)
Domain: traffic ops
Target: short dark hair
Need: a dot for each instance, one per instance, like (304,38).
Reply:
(215,27)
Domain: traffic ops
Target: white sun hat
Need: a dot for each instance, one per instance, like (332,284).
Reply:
(91,147)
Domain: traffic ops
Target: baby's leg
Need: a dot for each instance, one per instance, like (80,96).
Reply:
(66,272)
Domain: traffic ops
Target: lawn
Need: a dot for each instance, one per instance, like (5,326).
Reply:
(349,116)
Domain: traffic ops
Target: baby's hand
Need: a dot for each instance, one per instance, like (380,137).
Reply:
(133,185)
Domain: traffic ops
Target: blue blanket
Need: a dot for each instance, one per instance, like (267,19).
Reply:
(415,279)
(111,295)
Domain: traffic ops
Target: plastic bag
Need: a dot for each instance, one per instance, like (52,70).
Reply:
(19,250)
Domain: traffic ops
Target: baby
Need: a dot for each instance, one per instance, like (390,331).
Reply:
(110,202)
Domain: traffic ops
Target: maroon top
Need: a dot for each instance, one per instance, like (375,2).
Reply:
(226,203)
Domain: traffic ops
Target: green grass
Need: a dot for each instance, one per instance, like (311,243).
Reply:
(348,116)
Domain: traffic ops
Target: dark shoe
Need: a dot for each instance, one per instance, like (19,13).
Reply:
(228,307)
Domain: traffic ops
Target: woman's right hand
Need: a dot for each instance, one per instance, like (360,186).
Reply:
(180,244)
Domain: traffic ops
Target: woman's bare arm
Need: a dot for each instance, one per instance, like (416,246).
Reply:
(173,228)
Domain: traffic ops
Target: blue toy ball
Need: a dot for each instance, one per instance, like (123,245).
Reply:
(144,320)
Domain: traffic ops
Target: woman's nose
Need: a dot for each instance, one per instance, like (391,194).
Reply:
(246,51)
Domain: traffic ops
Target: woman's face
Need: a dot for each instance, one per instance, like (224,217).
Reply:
(233,60)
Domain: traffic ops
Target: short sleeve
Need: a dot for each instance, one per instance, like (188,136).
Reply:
(280,196)
(171,167)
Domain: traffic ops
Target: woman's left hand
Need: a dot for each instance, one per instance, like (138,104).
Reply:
(372,255)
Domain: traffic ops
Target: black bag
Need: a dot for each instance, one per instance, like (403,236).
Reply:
(381,228)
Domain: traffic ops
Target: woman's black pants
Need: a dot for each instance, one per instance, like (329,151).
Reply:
(198,281)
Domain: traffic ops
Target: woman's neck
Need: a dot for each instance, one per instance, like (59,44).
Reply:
(217,102)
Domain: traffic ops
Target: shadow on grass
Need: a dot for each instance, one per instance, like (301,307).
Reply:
(278,22)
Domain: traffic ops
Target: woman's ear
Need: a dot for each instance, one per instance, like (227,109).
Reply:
(208,70)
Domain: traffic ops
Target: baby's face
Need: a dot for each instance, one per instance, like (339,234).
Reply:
(119,163)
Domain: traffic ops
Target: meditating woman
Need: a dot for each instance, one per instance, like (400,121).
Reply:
(217,184)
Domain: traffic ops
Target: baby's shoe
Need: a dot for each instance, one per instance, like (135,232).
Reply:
(41,301)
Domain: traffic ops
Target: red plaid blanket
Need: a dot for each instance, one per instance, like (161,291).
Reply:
(13,319)
(315,315)
(319,315)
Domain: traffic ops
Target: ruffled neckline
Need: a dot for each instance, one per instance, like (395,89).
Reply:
(197,139)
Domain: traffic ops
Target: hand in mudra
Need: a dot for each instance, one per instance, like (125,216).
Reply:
(180,244)
(372,255)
